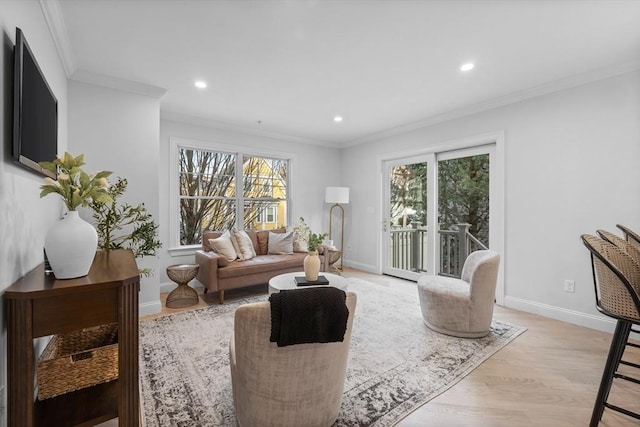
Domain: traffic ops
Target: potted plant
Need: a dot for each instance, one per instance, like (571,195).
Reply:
(315,240)
(312,260)
(71,243)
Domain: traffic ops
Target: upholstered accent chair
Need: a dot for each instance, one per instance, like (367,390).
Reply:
(462,307)
(289,386)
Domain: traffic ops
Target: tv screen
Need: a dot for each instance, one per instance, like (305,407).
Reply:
(35,111)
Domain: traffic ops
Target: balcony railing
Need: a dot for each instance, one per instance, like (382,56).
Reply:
(409,249)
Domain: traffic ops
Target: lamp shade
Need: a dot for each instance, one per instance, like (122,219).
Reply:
(336,195)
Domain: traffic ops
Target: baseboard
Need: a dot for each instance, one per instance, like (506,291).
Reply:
(600,323)
(364,267)
(152,307)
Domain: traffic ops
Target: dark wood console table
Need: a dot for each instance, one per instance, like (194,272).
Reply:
(39,305)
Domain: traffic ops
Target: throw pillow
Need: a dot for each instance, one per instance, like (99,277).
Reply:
(234,242)
(299,242)
(242,244)
(263,240)
(208,235)
(223,246)
(254,239)
(280,244)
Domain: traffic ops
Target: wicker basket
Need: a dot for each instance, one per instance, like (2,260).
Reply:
(77,360)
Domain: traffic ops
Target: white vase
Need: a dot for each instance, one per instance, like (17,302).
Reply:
(311,266)
(71,245)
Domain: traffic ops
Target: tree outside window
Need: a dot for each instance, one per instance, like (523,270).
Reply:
(264,190)
(209,196)
(408,195)
(463,194)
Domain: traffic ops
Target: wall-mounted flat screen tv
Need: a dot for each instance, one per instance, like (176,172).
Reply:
(35,111)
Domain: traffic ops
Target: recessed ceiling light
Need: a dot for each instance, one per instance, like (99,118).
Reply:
(200,84)
(337,119)
(467,67)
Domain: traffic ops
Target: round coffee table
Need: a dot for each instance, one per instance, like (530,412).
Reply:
(287,281)
(184,295)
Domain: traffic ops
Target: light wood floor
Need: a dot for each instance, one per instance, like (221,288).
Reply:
(547,377)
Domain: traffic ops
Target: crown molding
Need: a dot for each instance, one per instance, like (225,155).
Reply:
(85,76)
(58,30)
(213,124)
(544,89)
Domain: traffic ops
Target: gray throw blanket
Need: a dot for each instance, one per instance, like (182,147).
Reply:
(313,315)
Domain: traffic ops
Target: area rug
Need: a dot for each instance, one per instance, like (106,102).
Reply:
(395,364)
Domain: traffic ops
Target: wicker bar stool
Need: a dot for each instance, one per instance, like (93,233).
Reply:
(633,251)
(184,295)
(630,235)
(625,245)
(616,277)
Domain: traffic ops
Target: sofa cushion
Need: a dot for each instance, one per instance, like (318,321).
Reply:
(263,240)
(280,244)
(254,239)
(206,236)
(211,234)
(223,246)
(222,261)
(242,244)
(261,264)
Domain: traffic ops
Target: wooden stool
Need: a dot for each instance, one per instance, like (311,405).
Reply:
(184,295)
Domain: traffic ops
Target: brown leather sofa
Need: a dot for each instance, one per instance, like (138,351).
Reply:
(218,274)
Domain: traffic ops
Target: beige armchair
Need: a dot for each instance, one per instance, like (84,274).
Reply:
(462,307)
(295,385)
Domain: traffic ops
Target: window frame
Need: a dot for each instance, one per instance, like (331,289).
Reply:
(178,143)
(270,211)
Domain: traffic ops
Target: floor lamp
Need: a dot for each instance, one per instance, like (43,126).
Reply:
(337,195)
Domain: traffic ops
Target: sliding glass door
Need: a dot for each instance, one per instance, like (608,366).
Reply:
(405,224)
(437,211)
(463,208)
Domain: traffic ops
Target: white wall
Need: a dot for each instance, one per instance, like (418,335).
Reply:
(571,168)
(119,131)
(24,217)
(314,168)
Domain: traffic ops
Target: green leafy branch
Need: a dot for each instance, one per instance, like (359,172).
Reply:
(125,226)
(315,240)
(75,186)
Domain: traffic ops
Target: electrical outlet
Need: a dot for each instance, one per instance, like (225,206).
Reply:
(569,286)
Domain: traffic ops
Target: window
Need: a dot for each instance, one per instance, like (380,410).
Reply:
(269,216)
(272,214)
(219,190)
(265,192)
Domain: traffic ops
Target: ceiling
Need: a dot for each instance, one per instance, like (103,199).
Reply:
(288,67)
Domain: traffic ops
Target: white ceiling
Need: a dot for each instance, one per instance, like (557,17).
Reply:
(382,65)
